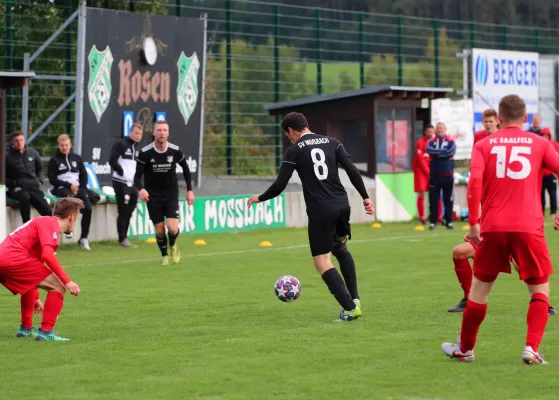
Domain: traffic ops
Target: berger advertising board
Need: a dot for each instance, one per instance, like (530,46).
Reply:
(140,68)
(497,73)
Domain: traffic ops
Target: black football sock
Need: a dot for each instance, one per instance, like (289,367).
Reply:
(337,287)
(347,266)
(173,238)
(121,227)
(162,243)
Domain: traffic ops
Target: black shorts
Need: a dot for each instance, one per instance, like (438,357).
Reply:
(160,208)
(325,228)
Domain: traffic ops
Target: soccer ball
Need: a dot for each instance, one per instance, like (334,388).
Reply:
(287,288)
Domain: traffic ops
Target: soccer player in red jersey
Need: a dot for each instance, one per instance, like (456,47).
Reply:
(465,251)
(490,125)
(420,169)
(506,178)
(22,268)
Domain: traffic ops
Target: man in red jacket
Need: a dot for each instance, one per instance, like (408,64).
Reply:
(421,170)
(549,183)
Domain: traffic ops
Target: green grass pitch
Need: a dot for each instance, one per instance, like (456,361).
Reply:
(211,327)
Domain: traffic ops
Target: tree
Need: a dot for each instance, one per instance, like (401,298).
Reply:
(215,154)
(450,67)
(382,70)
(254,134)
(346,81)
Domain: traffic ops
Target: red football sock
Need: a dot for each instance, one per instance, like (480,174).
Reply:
(421,208)
(440,210)
(537,319)
(27,307)
(474,314)
(464,274)
(53,306)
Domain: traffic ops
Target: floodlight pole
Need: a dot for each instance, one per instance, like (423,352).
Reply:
(465,56)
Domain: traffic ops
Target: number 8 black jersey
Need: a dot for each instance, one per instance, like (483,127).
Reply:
(316,158)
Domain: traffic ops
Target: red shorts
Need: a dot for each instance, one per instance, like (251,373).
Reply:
(495,251)
(470,242)
(22,278)
(420,182)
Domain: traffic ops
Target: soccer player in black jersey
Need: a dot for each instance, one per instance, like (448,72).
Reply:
(316,158)
(157,163)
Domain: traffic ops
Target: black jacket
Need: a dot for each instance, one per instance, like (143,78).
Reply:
(24,170)
(67,170)
(123,160)
(537,131)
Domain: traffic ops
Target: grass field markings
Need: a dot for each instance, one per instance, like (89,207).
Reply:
(411,238)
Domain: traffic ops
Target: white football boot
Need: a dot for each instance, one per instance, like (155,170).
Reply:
(530,357)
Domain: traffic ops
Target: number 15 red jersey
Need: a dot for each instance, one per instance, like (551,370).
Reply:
(506,175)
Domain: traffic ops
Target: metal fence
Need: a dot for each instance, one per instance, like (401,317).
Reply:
(258,53)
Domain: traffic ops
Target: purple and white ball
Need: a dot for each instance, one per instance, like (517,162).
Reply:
(287,288)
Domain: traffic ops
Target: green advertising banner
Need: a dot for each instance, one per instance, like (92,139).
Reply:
(215,214)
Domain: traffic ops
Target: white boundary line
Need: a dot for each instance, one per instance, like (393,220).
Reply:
(297,246)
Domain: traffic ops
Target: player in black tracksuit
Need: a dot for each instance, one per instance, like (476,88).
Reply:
(441,149)
(24,176)
(68,177)
(123,162)
(316,159)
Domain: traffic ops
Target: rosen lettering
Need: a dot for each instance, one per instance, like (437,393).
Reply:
(135,85)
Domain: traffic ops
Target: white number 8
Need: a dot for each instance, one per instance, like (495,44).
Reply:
(320,167)
(515,155)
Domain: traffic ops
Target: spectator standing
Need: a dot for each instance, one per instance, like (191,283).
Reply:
(441,149)
(549,183)
(536,124)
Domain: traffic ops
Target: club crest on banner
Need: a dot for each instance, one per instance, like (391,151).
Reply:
(187,87)
(99,86)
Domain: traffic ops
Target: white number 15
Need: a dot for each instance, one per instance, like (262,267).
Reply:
(515,155)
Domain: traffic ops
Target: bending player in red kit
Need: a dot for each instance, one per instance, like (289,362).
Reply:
(463,252)
(506,180)
(22,268)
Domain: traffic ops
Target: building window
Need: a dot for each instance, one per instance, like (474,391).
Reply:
(393,140)
(353,135)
